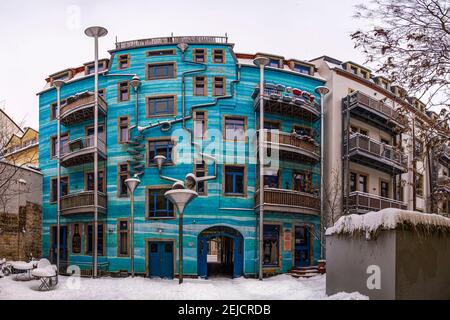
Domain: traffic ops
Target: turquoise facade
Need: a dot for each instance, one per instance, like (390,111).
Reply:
(214,209)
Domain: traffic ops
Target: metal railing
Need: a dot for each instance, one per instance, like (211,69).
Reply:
(83,101)
(171,40)
(371,202)
(287,97)
(378,149)
(376,105)
(83,199)
(290,198)
(305,143)
(78,144)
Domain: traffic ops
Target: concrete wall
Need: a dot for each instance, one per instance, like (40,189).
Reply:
(412,265)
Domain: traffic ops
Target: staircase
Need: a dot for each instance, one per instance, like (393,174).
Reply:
(136,150)
(305,272)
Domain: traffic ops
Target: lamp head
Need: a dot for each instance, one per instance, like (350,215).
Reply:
(181,198)
(136,83)
(159,160)
(261,61)
(96,32)
(58,83)
(322,90)
(132,183)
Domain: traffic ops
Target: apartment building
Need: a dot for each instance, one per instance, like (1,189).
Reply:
(194,101)
(22,148)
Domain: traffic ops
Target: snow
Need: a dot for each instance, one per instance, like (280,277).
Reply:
(48,271)
(386,219)
(282,287)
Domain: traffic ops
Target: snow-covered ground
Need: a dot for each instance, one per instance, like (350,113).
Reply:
(280,287)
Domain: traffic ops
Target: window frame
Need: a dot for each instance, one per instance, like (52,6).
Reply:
(149,162)
(52,188)
(119,88)
(72,233)
(280,240)
(224,119)
(244,177)
(162,53)
(86,239)
(194,86)
(213,55)
(307,174)
(148,189)
(86,180)
(153,64)
(156,97)
(205,171)
(384,181)
(121,58)
(204,126)
(205,55)
(224,83)
(119,128)
(119,175)
(119,237)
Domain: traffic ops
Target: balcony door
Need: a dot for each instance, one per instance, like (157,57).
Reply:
(90,135)
(302,246)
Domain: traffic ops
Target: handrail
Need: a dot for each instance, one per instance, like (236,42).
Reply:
(379,200)
(284,138)
(377,148)
(82,199)
(70,146)
(284,197)
(170,40)
(269,93)
(83,101)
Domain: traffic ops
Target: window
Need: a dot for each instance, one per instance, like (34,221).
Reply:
(161,71)
(123,243)
(302,181)
(362,183)
(90,135)
(353,177)
(419,184)
(235,128)
(53,143)
(157,53)
(54,109)
(102,93)
(76,239)
(354,70)
(272,181)
(219,86)
(89,181)
(364,74)
(161,106)
(124,91)
(274,63)
(200,170)
(123,173)
(158,206)
(234,180)
(384,189)
(200,86)
(271,245)
(199,55)
(53,188)
(163,147)
(124,61)
(90,239)
(200,125)
(124,133)
(218,56)
(302,68)
(90,68)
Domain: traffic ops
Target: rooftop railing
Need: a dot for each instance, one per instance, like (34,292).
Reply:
(171,40)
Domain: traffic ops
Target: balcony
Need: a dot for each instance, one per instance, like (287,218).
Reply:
(292,147)
(80,108)
(295,104)
(377,155)
(82,203)
(288,201)
(443,184)
(81,151)
(360,202)
(374,112)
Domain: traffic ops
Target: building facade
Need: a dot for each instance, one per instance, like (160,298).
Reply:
(23,149)
(197,105)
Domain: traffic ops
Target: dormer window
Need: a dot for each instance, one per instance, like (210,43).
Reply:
(64,76)
(124,61)
(364,74)
(274,63)
(305,69)
(90,68)
(354,70)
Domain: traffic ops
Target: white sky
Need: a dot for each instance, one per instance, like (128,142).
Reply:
(41,37)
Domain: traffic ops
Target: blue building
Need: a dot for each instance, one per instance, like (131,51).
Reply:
(197,105)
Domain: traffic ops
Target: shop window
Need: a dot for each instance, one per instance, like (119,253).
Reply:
(271,245)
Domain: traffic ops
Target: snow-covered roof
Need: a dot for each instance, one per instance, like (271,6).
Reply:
(388,219)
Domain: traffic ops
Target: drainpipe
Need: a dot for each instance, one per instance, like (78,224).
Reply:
(261,62)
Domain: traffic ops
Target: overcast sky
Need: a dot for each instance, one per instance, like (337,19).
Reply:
(41,37)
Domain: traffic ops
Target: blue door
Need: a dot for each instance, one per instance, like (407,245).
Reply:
(302,247)
(161,259)
(202,256)
(62,244)
(238,257)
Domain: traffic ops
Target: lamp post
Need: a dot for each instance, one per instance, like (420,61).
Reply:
(180,197)
(136,83)
(132,184)
(322,91)
(58,84)
(261,62)
(95,32)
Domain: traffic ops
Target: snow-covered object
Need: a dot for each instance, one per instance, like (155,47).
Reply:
(48,271)
(21,265)
(388,219)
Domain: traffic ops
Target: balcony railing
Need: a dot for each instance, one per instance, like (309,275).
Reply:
(377,154)
(304,146)
(443,183)
(288,201)
(171,40)
(375,111)
(361,202)
(293,103)
(80,108)
(81,150)
(82,203)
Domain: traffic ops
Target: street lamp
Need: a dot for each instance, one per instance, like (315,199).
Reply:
(95,32)
(132,184)
(322,91)
(136,83)
(58,84)
(261,62)
(180,197)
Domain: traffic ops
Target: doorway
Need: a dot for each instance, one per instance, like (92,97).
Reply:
(302,254)
(63,250)
(160,259)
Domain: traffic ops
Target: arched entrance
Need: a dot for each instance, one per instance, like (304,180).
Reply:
(220,252)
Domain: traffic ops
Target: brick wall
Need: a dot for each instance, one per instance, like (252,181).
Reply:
(20,234)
